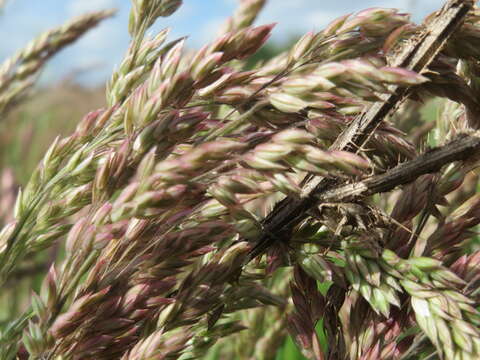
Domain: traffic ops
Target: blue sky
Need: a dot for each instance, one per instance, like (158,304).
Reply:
(98,52)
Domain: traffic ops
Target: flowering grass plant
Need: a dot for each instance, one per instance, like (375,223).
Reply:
(211,210)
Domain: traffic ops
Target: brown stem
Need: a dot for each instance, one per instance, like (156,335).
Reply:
(461,148)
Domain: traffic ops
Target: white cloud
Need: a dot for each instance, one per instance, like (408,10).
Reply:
(99,48)
(297,17)
(210,31)
(78,7)
(316,19)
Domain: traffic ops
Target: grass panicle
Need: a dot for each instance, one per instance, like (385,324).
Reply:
(219,207)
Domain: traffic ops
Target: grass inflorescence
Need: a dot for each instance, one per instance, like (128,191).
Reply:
(212,209)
